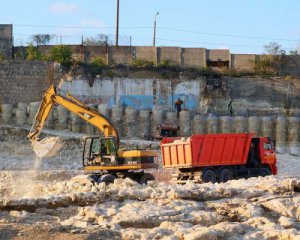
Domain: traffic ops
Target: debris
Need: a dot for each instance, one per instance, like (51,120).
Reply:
(47,147)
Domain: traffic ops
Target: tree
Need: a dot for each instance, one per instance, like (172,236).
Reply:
(33,53)
(295,51)
(99,40)
(61,54)
(274,49)
(41,39)
(274,58)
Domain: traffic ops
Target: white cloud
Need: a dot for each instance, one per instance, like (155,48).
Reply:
(63,7)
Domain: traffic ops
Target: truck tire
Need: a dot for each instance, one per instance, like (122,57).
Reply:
(265,172)
(107,178)
(145,178)
(226,175)
(209,176)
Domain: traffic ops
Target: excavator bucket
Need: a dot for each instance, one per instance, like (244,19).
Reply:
(47,147)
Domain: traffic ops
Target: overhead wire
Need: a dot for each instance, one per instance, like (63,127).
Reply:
(161,39)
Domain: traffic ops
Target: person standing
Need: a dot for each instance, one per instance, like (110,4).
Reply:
(178,104)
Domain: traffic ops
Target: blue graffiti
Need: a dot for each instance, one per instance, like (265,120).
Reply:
(141,102)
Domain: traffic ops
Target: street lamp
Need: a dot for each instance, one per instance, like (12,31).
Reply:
(154,34)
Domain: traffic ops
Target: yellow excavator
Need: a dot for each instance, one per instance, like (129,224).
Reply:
(101,155)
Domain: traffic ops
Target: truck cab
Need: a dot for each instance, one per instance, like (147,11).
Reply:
(262,153)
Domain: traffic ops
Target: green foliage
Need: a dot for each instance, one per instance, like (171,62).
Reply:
(264,67)
(94,68)
(98,62)
(165,63)
(33,53)
(2,57)
(139,63)
(110,73)
(61,54)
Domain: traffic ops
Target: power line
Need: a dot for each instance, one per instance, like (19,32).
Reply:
(228,35)
(163,28)
(79,27)
(186,41)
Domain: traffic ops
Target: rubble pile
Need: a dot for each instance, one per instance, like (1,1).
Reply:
(258,208)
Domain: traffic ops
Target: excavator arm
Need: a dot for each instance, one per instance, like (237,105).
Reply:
(52,97)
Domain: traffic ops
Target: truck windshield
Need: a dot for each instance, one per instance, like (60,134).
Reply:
(268,146)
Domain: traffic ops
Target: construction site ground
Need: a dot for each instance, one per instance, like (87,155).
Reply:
(38,200)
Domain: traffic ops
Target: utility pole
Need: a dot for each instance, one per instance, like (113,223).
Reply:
(117,27)
(154,33)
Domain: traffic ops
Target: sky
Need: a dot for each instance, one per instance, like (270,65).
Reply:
(243,26)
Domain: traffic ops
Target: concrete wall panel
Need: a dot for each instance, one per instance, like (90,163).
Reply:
(194,57)
(243,62)
(172,54)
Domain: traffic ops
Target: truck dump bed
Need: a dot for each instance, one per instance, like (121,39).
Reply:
(206,150)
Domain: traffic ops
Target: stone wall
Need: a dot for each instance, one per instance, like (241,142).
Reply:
(6,44)
(25,81)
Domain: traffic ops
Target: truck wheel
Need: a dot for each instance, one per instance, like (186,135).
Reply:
(107,178)
(265,172)
(145,178)
(225,175)
(209,176)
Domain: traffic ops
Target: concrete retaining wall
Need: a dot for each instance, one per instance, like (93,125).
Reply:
(134,123)
(136,93)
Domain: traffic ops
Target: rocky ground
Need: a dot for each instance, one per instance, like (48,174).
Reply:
(39,201)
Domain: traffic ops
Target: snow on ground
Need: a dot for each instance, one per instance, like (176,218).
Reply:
(38,200)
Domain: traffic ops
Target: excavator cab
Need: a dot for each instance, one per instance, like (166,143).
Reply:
(100,151)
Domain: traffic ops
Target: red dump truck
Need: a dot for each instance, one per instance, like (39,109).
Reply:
(218,157)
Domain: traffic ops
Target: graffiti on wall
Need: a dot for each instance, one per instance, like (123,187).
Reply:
(136,93)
